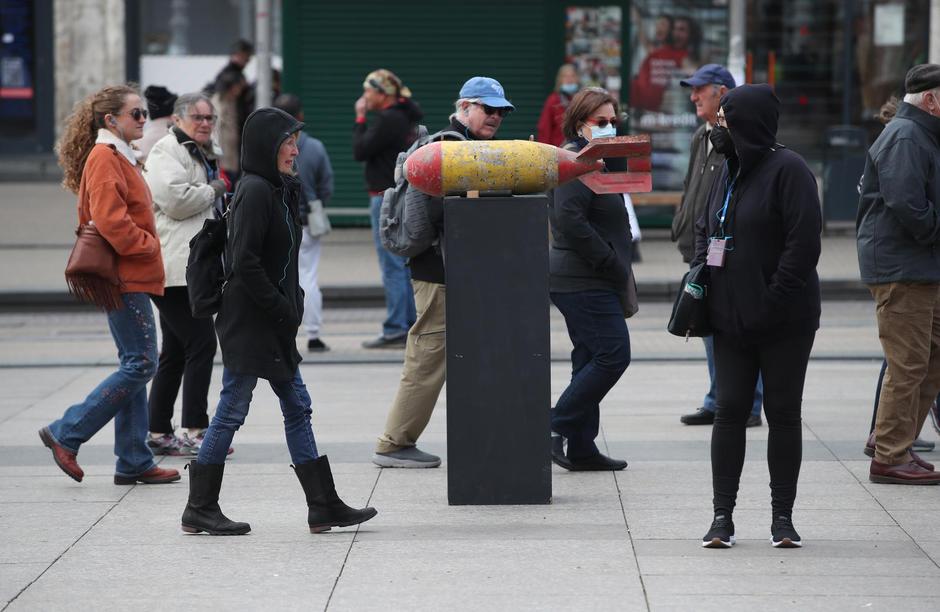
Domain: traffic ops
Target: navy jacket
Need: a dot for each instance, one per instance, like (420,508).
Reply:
(898,223)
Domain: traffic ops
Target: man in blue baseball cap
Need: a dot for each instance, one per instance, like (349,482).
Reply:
(708,84)
(481,106)
(479,111)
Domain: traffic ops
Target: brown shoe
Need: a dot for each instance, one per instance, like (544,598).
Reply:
(870,445)
(907,473)
(924,464)
(66,460)
(155,475)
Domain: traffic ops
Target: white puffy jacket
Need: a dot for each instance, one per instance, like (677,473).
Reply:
(182,201)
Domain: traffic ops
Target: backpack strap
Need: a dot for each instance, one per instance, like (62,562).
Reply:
(446,134)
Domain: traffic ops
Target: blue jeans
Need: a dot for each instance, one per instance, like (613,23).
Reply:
(233,408)
(600,355)
(122,396)
(396,279)
(710,402)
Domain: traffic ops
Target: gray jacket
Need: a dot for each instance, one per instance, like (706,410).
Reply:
(898,223)
(704,166)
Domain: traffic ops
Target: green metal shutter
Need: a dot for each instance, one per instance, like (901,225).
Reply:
(433,46)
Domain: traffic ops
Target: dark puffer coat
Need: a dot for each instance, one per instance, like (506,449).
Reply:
(262,303)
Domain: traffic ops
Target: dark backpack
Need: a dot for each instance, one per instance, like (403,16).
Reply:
(205,270)
(404,227)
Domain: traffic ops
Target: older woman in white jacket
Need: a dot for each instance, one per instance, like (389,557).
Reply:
(183,174)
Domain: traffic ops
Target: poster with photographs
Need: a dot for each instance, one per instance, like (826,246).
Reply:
(669,41)
(593,45)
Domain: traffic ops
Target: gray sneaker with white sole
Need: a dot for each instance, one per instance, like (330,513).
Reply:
(410,457)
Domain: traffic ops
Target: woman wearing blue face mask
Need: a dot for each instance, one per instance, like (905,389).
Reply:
(567,85)
(591,283)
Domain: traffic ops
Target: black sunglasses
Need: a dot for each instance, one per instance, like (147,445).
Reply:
(489,110)
(602,123)
(137,113)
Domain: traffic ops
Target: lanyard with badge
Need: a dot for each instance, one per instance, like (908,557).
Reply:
(718,244)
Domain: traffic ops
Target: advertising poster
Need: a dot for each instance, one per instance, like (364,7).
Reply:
(669,41)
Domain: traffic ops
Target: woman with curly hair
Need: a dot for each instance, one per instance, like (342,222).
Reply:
(101,167)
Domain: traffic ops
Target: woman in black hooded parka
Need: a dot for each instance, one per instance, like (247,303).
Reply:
(262,305)
(760,237)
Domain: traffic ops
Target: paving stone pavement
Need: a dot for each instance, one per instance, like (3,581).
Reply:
(621,541)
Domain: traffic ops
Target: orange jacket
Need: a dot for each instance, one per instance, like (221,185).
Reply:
(114,195)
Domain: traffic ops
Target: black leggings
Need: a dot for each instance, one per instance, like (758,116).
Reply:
(782,363)
(185,356)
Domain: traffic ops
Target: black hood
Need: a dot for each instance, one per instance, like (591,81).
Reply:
(265,130)
(752,112)
(410,108)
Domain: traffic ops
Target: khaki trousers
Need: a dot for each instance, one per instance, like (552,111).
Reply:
(909,329)
(422,376)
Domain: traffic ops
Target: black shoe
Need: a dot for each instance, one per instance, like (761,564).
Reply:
(325,508)
(594,463)
(782,533)
(699,417)
(721,533)
(202,511)
(558,446)
(754,421)
(390,342)
(315,345)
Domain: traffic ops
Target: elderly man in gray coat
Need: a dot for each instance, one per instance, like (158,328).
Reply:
(898,229)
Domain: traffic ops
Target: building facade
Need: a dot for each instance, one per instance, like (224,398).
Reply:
(832,62)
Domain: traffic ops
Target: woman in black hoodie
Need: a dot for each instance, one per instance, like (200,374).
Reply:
(760,237)
(262,305)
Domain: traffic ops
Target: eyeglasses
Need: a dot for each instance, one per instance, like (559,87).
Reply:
(602,123)
(204,118)
(137,113)
(489,110)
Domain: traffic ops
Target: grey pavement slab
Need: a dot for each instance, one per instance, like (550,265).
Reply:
(624,541)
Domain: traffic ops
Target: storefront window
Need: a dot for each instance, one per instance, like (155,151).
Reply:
(670,40)
(17,68)
(825,78)
(593,45)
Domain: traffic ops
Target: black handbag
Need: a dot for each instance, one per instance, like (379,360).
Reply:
(690,310)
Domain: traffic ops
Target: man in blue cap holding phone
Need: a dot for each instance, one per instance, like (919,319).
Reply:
(708,84)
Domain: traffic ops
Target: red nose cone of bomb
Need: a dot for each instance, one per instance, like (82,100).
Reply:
(423,169)
(570,167)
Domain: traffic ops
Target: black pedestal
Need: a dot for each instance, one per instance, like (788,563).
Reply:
(498,360)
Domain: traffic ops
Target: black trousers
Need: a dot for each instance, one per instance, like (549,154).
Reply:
(186,356)
(782,363)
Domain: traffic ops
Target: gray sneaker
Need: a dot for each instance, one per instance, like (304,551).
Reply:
(409,457)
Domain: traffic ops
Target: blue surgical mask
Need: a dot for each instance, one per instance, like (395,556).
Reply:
(603,132)
(569,88)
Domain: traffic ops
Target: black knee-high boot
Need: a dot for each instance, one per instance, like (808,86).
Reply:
(202,511)
(325,508)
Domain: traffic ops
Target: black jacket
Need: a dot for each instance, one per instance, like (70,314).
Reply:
(591,240)
(262,303)
(898,223)
(429,265)
(704,166)
(768,286)
(378,142)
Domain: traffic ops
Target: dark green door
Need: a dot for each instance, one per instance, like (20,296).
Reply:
(434,46)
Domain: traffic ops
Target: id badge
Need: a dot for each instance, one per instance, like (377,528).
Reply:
(716,253)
